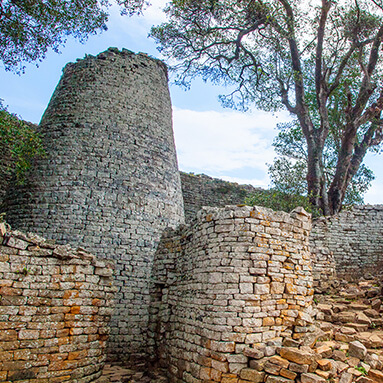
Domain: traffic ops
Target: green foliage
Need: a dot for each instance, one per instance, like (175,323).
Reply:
(361,369)
(29,28)
(288,172)
(320,61)
(279,200)
(20,140)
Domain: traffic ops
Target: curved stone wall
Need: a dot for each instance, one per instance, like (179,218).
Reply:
(354,239)
(110,180)
(229,289)
(201,190)
(55,305)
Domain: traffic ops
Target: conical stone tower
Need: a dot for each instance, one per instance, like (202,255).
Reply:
(110,181)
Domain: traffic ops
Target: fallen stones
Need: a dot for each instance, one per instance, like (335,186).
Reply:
(357,349)
(297,356)
(312,378)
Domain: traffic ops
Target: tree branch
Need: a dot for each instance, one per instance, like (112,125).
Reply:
(321,96)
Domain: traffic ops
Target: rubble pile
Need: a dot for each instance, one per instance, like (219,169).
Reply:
(343,345)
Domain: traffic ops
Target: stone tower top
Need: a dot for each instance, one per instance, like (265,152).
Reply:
(112,52)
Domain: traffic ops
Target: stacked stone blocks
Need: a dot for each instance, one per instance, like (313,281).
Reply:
(350,242)
(200,190)
(55,306)
(228,289)
(110,180)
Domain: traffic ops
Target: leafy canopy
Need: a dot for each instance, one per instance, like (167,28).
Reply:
(289,169)
(28,28)
(319,60)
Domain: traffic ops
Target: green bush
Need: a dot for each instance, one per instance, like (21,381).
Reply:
(278,200)
(20,142)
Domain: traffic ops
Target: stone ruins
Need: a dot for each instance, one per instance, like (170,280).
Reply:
(227,297)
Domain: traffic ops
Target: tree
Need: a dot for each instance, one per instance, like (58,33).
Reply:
(290,167)
(19,144)
(28,28)
(319,60)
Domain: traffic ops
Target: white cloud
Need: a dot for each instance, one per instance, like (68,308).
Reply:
(261,182)
(137,26)
(212,142)
(374,194)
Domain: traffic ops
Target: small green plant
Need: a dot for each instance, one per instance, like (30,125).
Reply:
(315,300)
(361,369)
(350,299)
(24,271)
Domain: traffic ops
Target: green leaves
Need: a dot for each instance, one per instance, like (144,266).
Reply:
(20,141)
(288,172)
(279,200)
(29,28)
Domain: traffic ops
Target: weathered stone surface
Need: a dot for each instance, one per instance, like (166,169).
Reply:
(346,378)
(376,375)
(235,321)
(339,355)
(288,374)
(357,349)
(345,317)
(252,375)
(312,378)
(362,318)
(324,364)
(346,239)
(279,361)
(110,180)
(295,355)
(299,368)
(254,352)
(54,312)
(277,379)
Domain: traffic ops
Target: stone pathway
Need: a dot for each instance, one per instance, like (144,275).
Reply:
(352,345)
(119,374)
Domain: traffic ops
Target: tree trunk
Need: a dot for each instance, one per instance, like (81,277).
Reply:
(315,176)
(338,187)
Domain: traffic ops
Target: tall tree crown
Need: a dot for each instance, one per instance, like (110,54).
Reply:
(319,60)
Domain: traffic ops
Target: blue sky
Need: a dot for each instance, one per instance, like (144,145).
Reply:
(210,139)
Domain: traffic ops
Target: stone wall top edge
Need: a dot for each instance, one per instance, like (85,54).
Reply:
(112,52)
(243,211)
(368,207)
(348,211)
(23,241)
(212,179)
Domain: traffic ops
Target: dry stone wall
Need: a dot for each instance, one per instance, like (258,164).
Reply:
(55,305)
(110,180)
(324,269)
(352,242)
(229,290)
(200,190)
(340,245)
